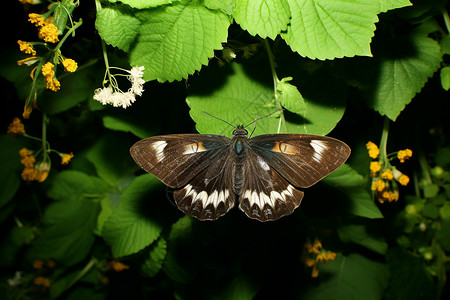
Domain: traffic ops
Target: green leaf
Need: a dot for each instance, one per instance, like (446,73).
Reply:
(445,44)
(385,5)
(246,93)
(365,234)
(11,168)
(131,228)
(352,184)
(409,279)
(266,18)
(430,190)
(117,26)
(155,259)
(328,29)
(144,3)
(128,123)
(349,277)
(74,185)
(175,41)
(75,88)
(110,158)
(290,98)
(68,235)
(445,78)
(240,288)
(176,265)
(227,6)
(398,72)
(430,211)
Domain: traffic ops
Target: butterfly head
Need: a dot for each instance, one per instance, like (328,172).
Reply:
(240,131)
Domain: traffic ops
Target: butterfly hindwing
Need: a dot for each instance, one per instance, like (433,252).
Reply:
(176,159)
(210,194)
(302,160)
(265,195)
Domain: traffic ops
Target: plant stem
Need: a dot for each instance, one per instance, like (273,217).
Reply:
(446,20)
(83,272)
(383,141)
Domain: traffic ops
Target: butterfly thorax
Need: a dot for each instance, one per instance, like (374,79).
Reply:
(239,144)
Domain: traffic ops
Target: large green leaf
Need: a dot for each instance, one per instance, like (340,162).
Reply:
(266,18)
(238,96)
(131,228)
(117,26)
(328,29)
(352,184)
(400,69)
(175,41)
(349,277)
(68,232)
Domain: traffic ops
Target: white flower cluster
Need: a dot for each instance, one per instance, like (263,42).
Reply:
(114,96)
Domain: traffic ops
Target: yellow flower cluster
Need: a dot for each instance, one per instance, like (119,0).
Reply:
(26,47)
(373,150)
(315,254)
(404,155)
(47,31)
(66,157)
(42,281)
(16,127)
(70,65)
(32,172)
(385,176)
(49,73)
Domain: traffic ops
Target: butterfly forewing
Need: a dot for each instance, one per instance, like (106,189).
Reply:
(176,159)
(302,160)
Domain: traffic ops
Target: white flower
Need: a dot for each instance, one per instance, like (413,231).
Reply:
(16,280)
(114,96)
(103,95)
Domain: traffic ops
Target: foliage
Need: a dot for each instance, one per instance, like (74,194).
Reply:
(81,220)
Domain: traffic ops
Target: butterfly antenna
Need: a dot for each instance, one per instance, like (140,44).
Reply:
(257,119)
(218,119)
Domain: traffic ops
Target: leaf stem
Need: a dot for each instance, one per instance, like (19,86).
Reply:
(83,272)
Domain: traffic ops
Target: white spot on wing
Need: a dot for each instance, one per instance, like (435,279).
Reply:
(319,148)
(263,164)
(215,198)
(159,149)
(263,199)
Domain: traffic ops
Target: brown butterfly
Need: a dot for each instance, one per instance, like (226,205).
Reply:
(208,172)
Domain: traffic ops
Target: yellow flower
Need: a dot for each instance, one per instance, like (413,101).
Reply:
(53,84)
(47,70)
(375,166)
(29,174)
(315,254)
(404,155)
(378,185)
(65,158)
(41,281)
(387,175)
(38,264)
(36,19)
(390,196)
(28,161)
(51,263)
(16,127)
(373,150)
(24,152)
(117,266)
(43,169)
(26,47)
(49,33)
(403,180)
(70,65)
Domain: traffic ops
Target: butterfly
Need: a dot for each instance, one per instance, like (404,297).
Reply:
(265,172)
